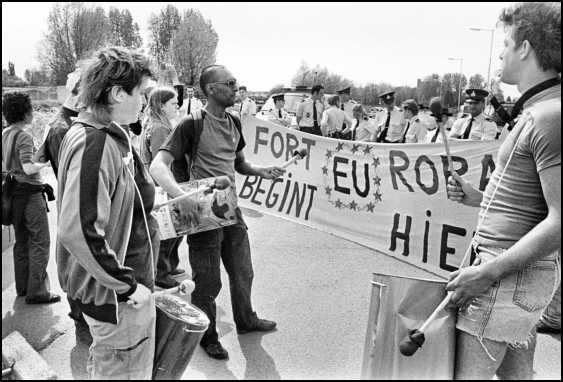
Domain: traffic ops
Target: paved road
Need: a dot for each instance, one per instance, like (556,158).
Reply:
(315,285)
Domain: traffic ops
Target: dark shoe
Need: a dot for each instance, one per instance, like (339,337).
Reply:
(260,326)
(215,350)
(546,329)
(177,271)
(48,299)
(166,282)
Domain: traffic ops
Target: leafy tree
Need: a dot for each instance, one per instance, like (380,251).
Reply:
(476,81)
(306,76)
(429,87)
(74,31)
(124,31)
(193,46)
(162,27)
(451,87)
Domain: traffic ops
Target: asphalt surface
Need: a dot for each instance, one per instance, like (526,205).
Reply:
(314,285)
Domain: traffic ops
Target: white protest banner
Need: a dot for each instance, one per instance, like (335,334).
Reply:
(389,197)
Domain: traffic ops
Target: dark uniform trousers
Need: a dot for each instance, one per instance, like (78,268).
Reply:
(207,249)
(31,249)
(168,257)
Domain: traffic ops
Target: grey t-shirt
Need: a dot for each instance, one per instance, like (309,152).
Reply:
(519,204)
(219,142)
(22,151)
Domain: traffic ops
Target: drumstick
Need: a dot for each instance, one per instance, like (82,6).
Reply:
(185,287)
(220,183)
(436,109)
(296,156)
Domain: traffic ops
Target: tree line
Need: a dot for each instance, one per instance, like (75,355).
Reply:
(433,85)
(184,41)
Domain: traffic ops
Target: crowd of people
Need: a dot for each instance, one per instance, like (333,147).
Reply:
(120,133)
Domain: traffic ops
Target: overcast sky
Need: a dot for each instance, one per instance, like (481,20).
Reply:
(263,44)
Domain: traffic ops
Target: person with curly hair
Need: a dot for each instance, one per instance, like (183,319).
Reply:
(29,208)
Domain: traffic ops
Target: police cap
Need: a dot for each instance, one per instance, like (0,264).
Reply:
(278,97)
(388,96)
(344,90)
(476,94)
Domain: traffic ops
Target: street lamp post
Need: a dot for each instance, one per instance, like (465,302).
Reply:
(490,50)
(459,83)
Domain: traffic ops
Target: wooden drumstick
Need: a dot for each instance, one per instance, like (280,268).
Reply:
(185,287)
(220,183)
(296,156)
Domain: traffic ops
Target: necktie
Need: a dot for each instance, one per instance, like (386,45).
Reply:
(468,128)
(383,134)
(343,123)
(435,135)
(355,129)
(241,103)
(406,131)
(190,106)
(315,114)
(279,113)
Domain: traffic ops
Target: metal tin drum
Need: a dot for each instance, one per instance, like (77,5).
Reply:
(398,304)
(179,328)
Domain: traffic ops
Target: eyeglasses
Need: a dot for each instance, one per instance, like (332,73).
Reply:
(230,83)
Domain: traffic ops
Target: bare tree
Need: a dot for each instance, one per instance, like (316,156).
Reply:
(74,31)
(193,46)
(124,31)
(162,28)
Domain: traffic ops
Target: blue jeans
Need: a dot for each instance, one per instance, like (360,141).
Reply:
(497,329)
(207,249)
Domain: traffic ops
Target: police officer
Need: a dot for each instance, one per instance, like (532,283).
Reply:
(415,131)
(247,104)
(474,125)
(391,124)
(347,105)
(191,103)
(278,114)
(310,111)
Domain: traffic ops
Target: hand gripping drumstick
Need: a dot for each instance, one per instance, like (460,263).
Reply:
(296,156)
(185,287)
(220,183)
(415,338)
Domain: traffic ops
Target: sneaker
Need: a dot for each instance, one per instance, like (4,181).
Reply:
(215,350)
(260,326)
(177,271)
(166,282)
(47,299)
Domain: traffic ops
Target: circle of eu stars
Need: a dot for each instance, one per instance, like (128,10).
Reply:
(356,150)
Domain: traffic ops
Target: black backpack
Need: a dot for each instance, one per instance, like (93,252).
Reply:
(8,181)
(181,168)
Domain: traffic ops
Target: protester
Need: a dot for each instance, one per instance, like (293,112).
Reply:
(219,153)
(191,103)
(474,126)
(29,207)
(502,296)
(334,119)
(104,254)
(392,123)
(278,114)
(415,132)
(363,127)
(310,110)
(162,110)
